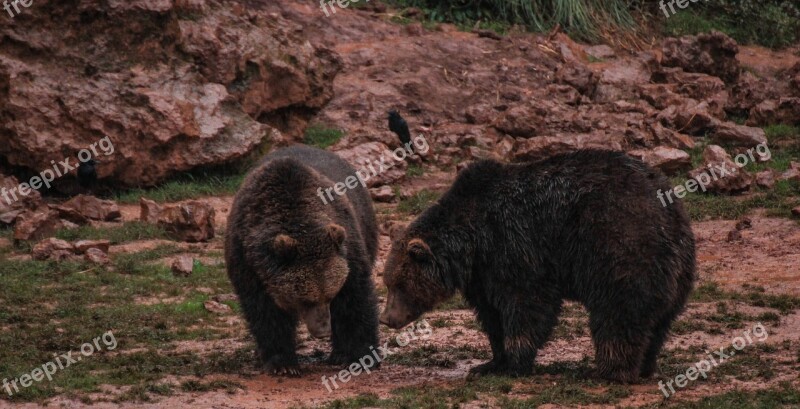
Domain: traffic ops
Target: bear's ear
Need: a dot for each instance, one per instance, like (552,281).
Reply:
(336,233)
(419,250)
(284,246)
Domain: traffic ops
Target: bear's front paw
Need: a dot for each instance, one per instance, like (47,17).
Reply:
(500,368)
(493,367)
(282,366)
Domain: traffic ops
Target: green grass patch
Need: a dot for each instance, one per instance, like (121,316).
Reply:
(322,137)
(185,187)
(127,232)
(414,170)
(49,307)
(417,203)
(771,23)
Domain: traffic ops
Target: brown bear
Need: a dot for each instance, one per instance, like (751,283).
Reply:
(518,239)
(291,255)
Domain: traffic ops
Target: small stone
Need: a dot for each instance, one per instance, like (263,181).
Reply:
(383,194)
(83,246)
(765,179)
(221,298)
(216,307)
(51,248)
(183,266)
(734,235)
(743,224)
(796,211)
(96,256)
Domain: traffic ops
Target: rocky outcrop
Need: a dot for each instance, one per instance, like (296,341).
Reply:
(719,173)
(173,85)
(191,221)
(713,53)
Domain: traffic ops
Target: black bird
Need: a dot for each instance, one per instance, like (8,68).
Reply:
(399,126)
(87,174)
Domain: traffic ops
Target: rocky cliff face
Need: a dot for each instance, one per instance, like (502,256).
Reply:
(174,84)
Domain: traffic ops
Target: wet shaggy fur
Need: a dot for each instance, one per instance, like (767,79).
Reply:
(279,198)
(519,239)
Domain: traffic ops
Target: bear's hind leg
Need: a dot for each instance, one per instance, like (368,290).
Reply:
(354,320)
(660,332)
(620,346)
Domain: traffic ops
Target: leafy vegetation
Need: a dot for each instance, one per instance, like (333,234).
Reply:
(772,23)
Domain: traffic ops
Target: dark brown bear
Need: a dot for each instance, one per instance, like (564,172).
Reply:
(516,240)
(290,255)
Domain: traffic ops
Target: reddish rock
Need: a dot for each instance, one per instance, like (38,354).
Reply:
(668,160)
(790,174)
(83,246)
(695,85)
(716,180)
(579,77)
(14,204)
(660,96)
(796,211)
(96,256)
(81,208)
(36,225)
(748,92)
(216,307)
(691,117)
(765,179)
(782,111)
(191,221)
(713,53)
(192,95)
(183,266)
(369,154)
(149,211)
(669,138)
(52,248)
(738,135)
(545,146)
(383,194)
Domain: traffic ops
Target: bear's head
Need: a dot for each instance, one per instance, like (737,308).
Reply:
(416,281)
(308,271)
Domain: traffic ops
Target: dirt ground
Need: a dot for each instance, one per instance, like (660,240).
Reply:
(768,256)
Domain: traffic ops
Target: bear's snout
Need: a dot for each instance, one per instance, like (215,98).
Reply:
(396,315)
(317,320)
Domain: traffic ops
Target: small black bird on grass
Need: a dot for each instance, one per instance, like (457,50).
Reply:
(87,174)
(399,126)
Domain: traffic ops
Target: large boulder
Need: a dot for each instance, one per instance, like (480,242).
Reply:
(173,84)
